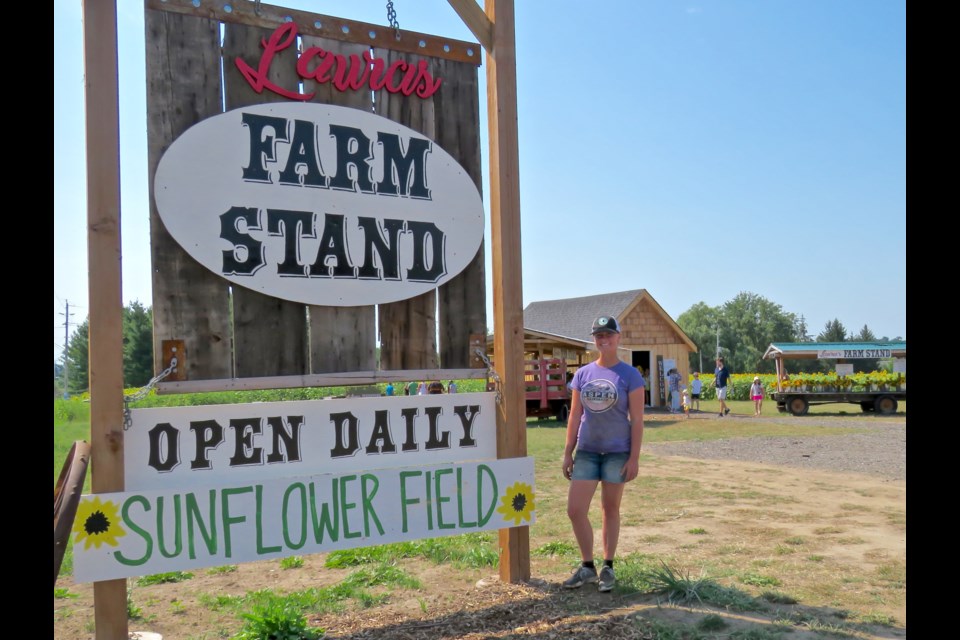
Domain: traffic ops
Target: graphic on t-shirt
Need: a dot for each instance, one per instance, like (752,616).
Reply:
(598,395)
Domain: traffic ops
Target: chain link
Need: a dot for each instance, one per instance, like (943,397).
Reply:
(143,392)
(392,19)
(491,372)
(256,7)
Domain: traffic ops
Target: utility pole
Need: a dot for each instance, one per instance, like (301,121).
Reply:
(66,344)
(718,340)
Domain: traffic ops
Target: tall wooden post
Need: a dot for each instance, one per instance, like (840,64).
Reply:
(105,294)
(507,267)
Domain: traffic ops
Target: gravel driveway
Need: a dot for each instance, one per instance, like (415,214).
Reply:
(880,449)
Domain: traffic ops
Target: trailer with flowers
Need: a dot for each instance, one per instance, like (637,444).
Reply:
(877,391)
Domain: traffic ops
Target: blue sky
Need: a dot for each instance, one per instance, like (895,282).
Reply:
(693,149)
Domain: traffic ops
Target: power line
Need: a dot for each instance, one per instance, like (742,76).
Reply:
(66,345)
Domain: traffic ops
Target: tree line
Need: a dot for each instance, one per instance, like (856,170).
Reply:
(743,328)
(137,352)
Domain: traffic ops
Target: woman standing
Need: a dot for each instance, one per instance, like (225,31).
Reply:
(605,428)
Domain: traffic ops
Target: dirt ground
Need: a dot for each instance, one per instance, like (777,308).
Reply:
(854,524)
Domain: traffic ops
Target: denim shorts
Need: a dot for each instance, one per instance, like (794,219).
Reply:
(607,467)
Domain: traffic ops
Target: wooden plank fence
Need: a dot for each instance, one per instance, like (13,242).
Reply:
(231,332)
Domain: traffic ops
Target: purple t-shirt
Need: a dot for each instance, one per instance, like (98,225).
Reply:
(605,423)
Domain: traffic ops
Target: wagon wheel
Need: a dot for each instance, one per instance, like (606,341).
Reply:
(66,498)
(798,405)
(563,413)
(885,405)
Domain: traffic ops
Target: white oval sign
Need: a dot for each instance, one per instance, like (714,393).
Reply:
(319,204)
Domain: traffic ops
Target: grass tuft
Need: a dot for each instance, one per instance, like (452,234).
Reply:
(276,619)
(291,562)
(712,622)
(776,597)
(556,548)
(162,578)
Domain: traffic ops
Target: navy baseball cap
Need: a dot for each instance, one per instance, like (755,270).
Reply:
(605,323)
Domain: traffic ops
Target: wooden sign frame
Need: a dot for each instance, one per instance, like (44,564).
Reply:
(493,27)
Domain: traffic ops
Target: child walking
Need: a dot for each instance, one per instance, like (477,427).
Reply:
(756,394)
(686,404)
(695,387)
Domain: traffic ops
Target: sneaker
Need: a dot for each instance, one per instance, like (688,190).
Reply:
(580,577)
(726,411)
(720,414)
(607,579)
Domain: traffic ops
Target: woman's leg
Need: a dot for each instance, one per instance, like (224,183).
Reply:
(610,495)
(578,510)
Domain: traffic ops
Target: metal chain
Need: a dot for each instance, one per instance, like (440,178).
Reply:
(491,372)
(392,19)
(144,391)
(256,7)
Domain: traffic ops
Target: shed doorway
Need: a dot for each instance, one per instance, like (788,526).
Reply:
(641,361)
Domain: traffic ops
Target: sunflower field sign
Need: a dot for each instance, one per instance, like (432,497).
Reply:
(124,534)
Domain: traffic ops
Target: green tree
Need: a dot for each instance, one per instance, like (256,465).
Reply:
(137,349)
(865,335)
(137,345)
(833,331)
(744,327)
(752,322)
(77,357)
(800,330)
(700,323)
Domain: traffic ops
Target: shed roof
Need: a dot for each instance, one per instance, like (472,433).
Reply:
(835,350)
(572,318)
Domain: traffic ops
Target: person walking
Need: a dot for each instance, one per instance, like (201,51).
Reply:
(756,394)
(673,384)
(604,436)
(696,386)
(389,390)
(721,376)
(452,387)
(412,388)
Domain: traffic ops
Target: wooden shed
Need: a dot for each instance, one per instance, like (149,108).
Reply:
(650,339)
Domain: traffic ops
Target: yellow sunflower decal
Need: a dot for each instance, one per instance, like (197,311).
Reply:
(517,503)
(97,523)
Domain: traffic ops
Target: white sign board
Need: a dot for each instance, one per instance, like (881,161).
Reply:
(900,365)
(319,204)
(844,369)
(118,535)
(177,447)
(852,354)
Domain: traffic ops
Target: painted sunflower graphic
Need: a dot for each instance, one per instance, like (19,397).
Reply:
(517,503)
(97,523)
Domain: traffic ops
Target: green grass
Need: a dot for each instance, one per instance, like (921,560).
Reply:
(375,574)
(222,569)
(700,429)
(276,619)
(291,562)
(474,550)
(163,578)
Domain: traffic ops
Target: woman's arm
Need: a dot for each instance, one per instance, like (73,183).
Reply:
(632,467)
(573,428)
